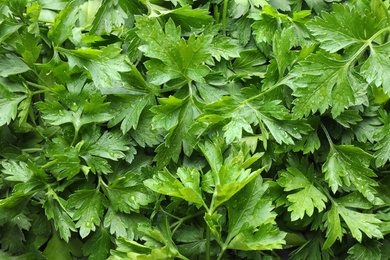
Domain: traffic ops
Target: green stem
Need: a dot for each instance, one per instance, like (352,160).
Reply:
(327,134)
(100,182)
(76,133)
(172,216)
(368,42)
(224,14)
(40,91)
(183,219)
(41,20)
(279,83)
(32,150)
(216,14)
(208,243)
(37,85)
(168,89)
(221,253)
(41,79)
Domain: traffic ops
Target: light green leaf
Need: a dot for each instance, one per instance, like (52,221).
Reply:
(64,23)
(306,199)
(323,81)
(127,194)
(90,206)
(172,56)
(377,67)
(103,65)
(83,105)
(109,15)
(357,223)
(176,116)
(17,172)
(251,220)
(232,177)
(272,115)
(343,28)
(349,164)
(188,188)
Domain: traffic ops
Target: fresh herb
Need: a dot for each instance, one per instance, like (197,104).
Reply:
(184,129)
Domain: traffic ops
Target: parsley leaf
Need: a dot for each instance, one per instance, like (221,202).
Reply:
(305,200)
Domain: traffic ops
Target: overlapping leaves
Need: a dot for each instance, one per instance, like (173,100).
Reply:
(131,129)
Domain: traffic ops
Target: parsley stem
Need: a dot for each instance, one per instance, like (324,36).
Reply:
(216,14)
(76,133)
(41,79)
(221,253)
(367,43)
(279,83)
(40,91)
(32,150)
(37,85)
(224,14)
(327,134)
(208,243)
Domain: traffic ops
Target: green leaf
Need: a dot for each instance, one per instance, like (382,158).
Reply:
(97,247)
(272,115)
(171,56)
(13,205)
(323,81)
(306,199)
(377,67)
(145,134)
(249,63)
(90,205)
(318,5)
(59,249)
(11,65)
(64,23)
(55,208)
(109,16)
(12,239)
(230,177)
(187,188)
(17,172)
(79,104)
(157,246)
(128,109)
(251,220)
(370,250)
(357,223)
(124,225)
(97,147)
(127,193)
(176,116)
(29,176)
(7,28)
(349,164)
(188,19)
(64,165)
(265,28)
(103,65)
(312,249)
(343,28)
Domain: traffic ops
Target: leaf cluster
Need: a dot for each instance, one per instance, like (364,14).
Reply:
(183,129)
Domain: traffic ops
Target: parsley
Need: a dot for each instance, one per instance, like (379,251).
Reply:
(186,129)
